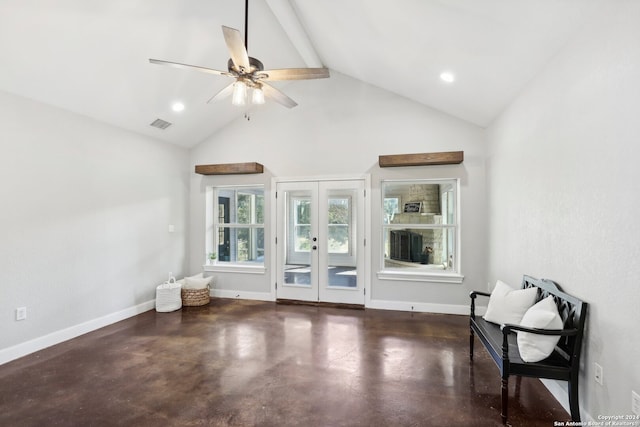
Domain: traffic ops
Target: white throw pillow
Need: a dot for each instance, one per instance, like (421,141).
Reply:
(196,282)
(543,315)
(508,305)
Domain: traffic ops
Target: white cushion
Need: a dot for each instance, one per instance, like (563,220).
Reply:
(196,282)
(543,315)
(508,305)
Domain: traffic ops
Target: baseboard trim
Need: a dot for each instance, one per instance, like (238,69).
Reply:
(57,337)
(559,390)
(232,294)
(418,307)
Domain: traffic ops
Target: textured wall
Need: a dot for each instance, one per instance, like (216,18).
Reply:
(84,219)
(563,191)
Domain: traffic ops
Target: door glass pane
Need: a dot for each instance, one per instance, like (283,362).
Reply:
(297,270)
(341,270)
(302,224)
(339,213)
(302,238)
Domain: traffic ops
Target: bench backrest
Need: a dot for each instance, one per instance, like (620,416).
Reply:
(572,311)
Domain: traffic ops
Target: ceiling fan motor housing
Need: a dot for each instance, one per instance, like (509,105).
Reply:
(256,65)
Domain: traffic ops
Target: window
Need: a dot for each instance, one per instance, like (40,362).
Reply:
(420,230)
(237,225)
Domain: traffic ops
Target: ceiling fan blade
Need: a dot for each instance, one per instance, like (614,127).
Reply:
(223,93)
(190,67)
(275,94)
(294,74)
(237,50)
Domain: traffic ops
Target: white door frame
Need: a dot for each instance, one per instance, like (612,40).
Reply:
(366,230)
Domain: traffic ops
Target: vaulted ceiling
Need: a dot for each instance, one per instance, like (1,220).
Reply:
(91,57)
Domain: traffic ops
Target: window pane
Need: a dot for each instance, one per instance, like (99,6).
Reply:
(411,248)
(225,198)
(259,239)
(242,206)
(260,208)
(432,247)
(242,245)
(391,207)
(245,209)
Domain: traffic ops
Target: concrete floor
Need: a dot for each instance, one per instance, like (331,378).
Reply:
(248,363)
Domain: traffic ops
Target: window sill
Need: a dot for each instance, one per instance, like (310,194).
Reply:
(235,268)
(431,277)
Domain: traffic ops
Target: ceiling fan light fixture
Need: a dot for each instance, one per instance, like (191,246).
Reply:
(257,96)
(239,93)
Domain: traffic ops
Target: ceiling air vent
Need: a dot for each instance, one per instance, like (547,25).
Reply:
(160,124)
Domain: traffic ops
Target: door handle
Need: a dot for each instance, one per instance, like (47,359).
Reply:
(314,247)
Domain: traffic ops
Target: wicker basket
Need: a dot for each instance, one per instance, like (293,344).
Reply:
(195,297)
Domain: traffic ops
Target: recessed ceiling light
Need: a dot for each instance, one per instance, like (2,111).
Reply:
(447,77)
(177,106)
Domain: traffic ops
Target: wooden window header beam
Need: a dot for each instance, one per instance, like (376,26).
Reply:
(421,159)
(230,168)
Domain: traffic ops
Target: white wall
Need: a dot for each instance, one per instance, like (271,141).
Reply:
(564,195)
(84,220)
(340,128)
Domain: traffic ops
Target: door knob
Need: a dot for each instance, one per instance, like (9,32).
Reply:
(315,239)
(314,247)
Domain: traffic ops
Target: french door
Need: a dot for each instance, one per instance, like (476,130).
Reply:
(320,241)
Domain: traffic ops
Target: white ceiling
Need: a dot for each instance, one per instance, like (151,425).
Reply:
(91,57)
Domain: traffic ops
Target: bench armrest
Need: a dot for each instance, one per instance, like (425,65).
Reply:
(473,295)
(507,328)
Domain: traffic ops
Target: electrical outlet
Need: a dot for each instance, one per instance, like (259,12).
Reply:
(21,313)
(598,374)
(635,402)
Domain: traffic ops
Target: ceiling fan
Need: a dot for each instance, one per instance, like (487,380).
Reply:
(249,73)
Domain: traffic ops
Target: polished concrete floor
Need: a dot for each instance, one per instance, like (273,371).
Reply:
(248,363)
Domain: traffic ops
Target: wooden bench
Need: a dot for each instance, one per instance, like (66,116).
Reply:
(562,364)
